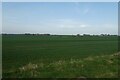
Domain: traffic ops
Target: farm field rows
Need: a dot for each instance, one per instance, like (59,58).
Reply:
(59,56)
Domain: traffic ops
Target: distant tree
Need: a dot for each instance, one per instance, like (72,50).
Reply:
(27,33)
(78,34)
(47,34)
(86,34)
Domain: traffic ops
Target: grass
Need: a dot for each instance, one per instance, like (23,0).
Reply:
(59,56)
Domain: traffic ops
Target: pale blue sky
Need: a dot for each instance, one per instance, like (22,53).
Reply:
(60,17)
(60,0)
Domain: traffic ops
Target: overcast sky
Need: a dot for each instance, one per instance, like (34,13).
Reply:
(60,17)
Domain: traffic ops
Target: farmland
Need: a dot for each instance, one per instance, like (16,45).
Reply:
(62,56)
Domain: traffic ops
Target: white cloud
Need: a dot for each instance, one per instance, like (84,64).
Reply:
(69,23)
(64,24)
(83,25)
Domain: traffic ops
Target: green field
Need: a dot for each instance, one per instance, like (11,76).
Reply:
(59,56)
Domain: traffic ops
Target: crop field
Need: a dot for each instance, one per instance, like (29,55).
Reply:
(65,56)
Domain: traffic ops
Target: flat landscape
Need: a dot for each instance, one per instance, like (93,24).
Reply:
(59,56)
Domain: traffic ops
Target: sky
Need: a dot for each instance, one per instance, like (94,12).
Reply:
(64,18)
(60,0)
